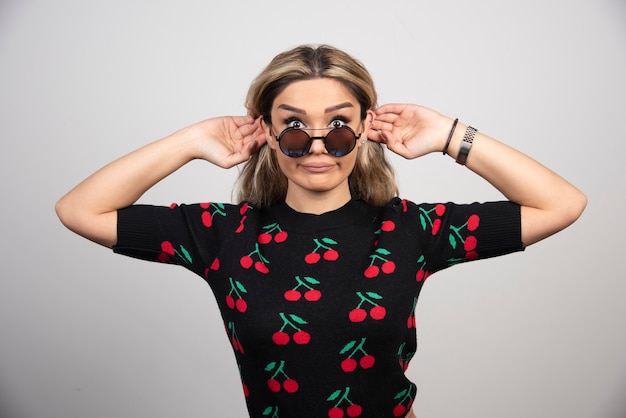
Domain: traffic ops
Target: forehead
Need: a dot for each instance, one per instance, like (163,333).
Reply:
(314,95)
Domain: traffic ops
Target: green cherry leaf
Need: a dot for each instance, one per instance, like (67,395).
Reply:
(334,395)
(347,347)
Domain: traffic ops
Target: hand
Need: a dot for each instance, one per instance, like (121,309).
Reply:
(410,130)
(229,140)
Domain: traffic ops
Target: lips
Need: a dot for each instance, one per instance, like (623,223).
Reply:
(317,167)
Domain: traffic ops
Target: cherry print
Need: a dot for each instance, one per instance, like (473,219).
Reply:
(237,301)
(207,219)
(293,322)
(352,349)
(422,274)
(230,329)
(278,369)
(242,225)
(173,205)
(168,250)
(280,237)
(387,226)
(290,386)
(280,338)
(359,314)
(215,265)
(260,265)
(470,243)
(311,294)
(436,226)
(246,261)
(267,236)
(292,295)
(353,410)
(410,322)
(405,400)
(246,391)
(472,222)
(335,412)
(378,312)
(271,412)
(330,254)
(386,266)
(211,210)
(244,208)
(264,238)
(440,209)
(348,365)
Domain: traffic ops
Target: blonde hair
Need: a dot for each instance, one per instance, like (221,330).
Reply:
(261,182)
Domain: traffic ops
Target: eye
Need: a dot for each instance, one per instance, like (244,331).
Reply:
(293,122)
(338,122)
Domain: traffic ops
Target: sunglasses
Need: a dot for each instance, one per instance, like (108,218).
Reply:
(296,142)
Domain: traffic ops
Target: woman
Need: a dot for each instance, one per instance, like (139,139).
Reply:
(318,267)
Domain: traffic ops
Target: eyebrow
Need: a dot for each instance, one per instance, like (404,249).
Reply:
(327,110)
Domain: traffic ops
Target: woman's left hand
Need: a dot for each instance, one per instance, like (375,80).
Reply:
(410,130)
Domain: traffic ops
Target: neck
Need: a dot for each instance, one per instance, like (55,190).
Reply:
(316,202)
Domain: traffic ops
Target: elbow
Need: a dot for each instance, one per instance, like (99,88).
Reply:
(576,206)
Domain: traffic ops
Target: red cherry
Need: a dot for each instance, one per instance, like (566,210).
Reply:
(246,261)
(207,219)
(388,267)
(335,412)
(241,305)
(348,365)
(215,265)
(205,205)
(357,315)
(440,209)
(230,302)
(354,410)
(472,222)
(367,362)
(312,258)
(246,392)
(274,385)
(290,386)
(331,255)
(470,243)
(163,258)
(378,312)
(436,226)
(243,209)
(301,337)
(312,295)
(420,275)
(261,267)
(167,247)
(410,322)
(371,271)
(472,255)
(280,237)
(264,238)
(280,338)
(292,295)
(241,227)
(387,226)
(399,410)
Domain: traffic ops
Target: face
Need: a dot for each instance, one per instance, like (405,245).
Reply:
(316,106)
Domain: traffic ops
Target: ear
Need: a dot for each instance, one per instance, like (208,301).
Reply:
(367,122)
(269,137)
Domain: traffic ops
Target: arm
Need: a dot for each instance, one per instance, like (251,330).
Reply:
(90,208)
(548,202)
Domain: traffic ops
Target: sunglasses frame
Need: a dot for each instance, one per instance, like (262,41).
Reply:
(306,150)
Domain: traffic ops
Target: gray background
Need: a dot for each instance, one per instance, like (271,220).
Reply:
(85,333)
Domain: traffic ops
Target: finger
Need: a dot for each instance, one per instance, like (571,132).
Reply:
(380,125)
(396,108)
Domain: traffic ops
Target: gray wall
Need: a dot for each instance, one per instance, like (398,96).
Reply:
(85,333)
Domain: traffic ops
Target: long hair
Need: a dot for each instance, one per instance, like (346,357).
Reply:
(261,182)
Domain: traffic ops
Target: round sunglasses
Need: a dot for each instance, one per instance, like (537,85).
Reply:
(296,142)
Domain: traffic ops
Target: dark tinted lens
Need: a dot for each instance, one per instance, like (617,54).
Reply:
(340,141)
(294,142)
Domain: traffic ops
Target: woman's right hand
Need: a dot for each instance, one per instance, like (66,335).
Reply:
(227,141)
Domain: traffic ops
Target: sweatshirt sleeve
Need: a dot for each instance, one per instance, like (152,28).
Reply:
(451,233)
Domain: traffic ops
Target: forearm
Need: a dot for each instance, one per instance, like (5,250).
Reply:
(549,202)
(89,209)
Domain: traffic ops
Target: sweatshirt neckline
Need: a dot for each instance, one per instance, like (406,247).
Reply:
(353,212)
